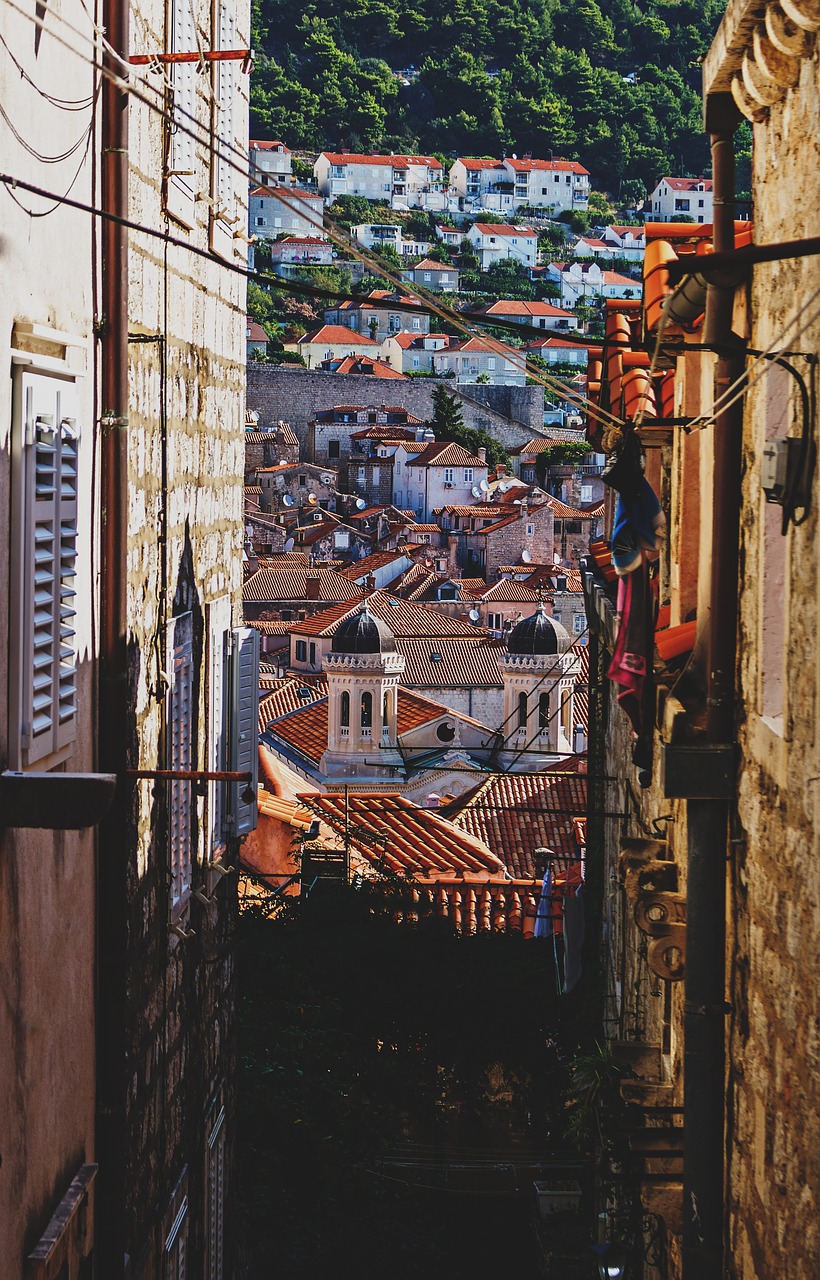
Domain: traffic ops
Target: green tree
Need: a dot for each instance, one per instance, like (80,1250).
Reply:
(448,424)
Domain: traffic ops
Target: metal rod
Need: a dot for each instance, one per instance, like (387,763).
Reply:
(189,775)
(731,260)
(704,1008)
(115,713)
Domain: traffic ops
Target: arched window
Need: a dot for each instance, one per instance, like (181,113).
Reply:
(522,710)
(543,711)
(344,716)
(367,710)
(386,709)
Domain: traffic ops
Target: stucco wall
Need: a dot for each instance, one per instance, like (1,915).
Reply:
(296,395)
(47,905)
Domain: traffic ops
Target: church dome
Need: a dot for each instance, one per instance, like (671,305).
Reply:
(538,635)
(362,632)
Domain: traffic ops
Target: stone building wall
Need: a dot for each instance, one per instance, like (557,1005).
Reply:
(774,1082)
(297,395)
(185,534)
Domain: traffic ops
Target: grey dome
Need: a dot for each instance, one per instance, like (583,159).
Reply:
(362,632)
(537,635)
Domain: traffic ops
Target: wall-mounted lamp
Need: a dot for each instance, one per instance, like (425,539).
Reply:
(612,1260)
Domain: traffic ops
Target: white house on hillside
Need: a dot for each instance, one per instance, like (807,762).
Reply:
(404,182)
(378,235)
(584,281)
(495,241)
(474,358)
(270,162)
(291,210)
(504,185)
(681,198)
(629,242)
(537,315)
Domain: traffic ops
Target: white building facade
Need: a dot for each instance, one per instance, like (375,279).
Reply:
(402,181)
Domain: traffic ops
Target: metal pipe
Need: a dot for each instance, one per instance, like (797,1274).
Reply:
(704,1007)
(736,260)
(114,710)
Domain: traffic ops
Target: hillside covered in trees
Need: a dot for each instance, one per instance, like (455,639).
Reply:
(612,83)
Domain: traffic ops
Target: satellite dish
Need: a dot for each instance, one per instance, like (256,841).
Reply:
(312,499)
(474,615)
(502,486)
(326,479)
(516,502)
(360,504)
(526,556)
(483,486)
(287,501)
(475,491)
(289,545)
(556,559)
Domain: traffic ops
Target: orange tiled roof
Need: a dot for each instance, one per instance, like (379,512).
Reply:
(513,307)
(392,161)
(508,591)
(555,166)
(445,453)
(290,583)
(367,366)
(503,229)
(363,567)
(339,334)
(415,839)
(515,814)
(404,619)
(285,696)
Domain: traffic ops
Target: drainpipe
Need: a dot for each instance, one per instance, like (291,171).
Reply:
(114,709)
(705,983)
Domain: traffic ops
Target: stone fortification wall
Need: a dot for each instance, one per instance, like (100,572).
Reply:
(512,415)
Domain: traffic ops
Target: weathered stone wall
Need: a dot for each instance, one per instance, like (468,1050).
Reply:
(296,395)
(774,1168)
(184,555)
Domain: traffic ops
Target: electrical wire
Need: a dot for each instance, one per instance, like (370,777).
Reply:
(219,149)
(60,201)
(62,104)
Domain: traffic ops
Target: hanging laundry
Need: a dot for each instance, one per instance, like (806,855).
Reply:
(543,915)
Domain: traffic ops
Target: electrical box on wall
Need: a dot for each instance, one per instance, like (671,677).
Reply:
(778,469)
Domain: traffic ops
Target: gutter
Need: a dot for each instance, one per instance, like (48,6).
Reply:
(708,818)
(115,719)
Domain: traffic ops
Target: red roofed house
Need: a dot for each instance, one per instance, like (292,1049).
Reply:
(257,339)
(270,162)
(475,357)
(493,242)
(556,185)
(538,315)
(439,473)
(507,184)
(587,280)
(332,342)
(295,252)
(412,352)
(681,199)
(591,247)
(365,366)
(519,531)
(380,314)
(404,182)
(439,276)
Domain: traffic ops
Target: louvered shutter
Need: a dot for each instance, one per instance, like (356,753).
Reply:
(180,732)
(219,621)
(216,1198)
(47,506)
(175,1248)
(225,89)
(243,738)
(182,151)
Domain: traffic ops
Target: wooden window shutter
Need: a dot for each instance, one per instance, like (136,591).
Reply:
(181,176)
(216,1197)
(243,734)
(223,184)
(44,521)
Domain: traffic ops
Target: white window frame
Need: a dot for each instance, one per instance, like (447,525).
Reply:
(530,530)
(215,1173)
(45,454)
(180,181)
(175,1233)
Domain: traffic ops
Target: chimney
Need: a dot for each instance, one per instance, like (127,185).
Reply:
(311,586)
(500,468)
(482,453)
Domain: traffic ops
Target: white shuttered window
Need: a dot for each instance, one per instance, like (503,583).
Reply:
(181,177)
(226,84)
(43,685)
(175,1233)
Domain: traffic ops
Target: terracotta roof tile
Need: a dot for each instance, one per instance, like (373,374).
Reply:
(392,161)
(403,619)
(503,229)
(290,583)
(338,334)
(289,693)
(365,566)
(515,814)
